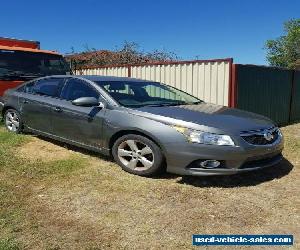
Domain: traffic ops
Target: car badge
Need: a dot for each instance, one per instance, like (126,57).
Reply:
(268,136)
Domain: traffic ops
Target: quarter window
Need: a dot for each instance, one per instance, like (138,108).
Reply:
(48,87)
(76,88)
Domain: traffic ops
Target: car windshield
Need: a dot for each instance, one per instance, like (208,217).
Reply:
(139,94)
(18,64)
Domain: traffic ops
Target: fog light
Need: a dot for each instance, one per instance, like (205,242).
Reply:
(210,164)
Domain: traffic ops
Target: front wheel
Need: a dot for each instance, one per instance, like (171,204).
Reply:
(138,155)
(13,121)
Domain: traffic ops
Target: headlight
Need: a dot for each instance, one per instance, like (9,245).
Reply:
(205,137)
(279,132)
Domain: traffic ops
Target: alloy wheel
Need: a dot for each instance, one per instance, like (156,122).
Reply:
(135,155)
(12,121)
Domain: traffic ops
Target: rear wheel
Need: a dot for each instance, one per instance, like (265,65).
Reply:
(138,155)
(13,121)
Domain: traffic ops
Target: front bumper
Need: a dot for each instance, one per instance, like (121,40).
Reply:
(185,158)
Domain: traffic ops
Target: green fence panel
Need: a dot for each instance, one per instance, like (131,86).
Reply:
(265,90)
(295,109)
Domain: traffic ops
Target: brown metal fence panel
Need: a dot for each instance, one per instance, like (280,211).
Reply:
(265,90)
(295,104)
(208,80)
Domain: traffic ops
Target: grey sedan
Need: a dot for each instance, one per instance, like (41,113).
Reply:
(146,126)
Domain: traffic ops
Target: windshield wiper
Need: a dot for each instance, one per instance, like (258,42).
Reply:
(16,74)
(198,102)
(165,104)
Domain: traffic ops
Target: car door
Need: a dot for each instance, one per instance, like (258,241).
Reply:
(78,124)
(37,100)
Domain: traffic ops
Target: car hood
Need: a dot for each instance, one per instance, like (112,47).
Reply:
(211,115)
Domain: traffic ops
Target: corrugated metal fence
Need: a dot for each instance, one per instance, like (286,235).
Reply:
(205,79)
(269,91)
(272,92)
(295,102)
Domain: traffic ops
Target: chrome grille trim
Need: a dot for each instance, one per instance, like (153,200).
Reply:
(258,132)
(258,137)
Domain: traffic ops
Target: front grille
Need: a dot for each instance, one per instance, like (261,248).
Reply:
(262,162)
(262,136)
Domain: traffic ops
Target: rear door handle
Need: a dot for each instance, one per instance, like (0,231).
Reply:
(57,109)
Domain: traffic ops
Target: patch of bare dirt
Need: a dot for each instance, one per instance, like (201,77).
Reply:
(44,151)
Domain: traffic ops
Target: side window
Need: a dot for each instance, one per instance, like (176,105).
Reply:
(27,88)
(76,88)
(48,87)
(118,87)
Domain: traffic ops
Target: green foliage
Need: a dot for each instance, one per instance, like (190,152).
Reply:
(285,50)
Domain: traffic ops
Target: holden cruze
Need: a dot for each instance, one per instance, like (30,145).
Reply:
(146,126)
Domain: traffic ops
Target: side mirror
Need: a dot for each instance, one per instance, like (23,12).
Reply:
(101,105)
(88,102)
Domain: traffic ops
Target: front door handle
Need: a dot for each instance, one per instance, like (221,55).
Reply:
(25,101)
(57,109)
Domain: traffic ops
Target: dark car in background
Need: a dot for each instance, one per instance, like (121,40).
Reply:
(23,60)
(146,126)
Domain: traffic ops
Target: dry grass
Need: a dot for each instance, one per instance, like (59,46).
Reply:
(42,150)
(53,197)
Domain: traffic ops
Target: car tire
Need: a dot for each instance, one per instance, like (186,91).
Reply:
(13,121)
(138,155)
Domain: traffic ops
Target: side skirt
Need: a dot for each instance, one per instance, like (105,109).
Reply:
(104,151)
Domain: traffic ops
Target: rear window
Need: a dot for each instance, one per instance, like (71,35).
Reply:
(18,64)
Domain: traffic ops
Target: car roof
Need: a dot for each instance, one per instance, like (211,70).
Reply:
(96,78)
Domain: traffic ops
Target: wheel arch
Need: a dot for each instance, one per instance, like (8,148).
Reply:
(121,133)
(5,108)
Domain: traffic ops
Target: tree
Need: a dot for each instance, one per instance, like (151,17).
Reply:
(285,50)
(129,53)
